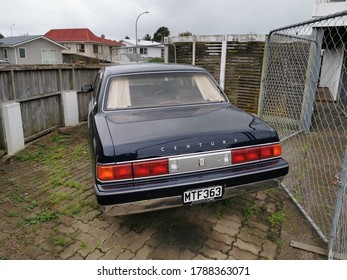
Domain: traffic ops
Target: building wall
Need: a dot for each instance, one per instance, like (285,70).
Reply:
(323,8)
(34,52)
(103,53)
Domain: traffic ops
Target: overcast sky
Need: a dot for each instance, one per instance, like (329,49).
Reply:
(116,18)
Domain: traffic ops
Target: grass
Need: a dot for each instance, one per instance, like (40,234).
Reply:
(59,240)
(43,217)
(249,211)
(276,218)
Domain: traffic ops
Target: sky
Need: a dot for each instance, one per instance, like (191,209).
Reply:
(116,18)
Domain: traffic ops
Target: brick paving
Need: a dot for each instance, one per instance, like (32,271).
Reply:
(48,211)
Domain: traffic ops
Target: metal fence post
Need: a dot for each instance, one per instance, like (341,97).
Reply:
(263,76)
(338,206)
(312,76)
(223,60)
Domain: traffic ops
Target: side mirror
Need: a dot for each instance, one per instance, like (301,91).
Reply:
(87,88)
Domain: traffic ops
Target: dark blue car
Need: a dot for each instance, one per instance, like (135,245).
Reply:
(166,135)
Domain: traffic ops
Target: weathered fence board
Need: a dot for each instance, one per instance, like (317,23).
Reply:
(37,89)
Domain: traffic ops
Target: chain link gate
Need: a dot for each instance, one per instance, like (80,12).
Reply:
(304,97)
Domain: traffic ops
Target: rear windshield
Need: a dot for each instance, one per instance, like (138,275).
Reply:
(163,89)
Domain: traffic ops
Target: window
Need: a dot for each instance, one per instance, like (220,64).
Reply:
(5,54)
(80,48)
(143,50)
(49,56)
(156,90)
(22,53)
(95,48)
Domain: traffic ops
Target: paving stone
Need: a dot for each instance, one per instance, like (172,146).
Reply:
(126,255)
(219,246)
(165,252)
(246,236)
(89,216)
(86,250)
(222,237)
(31,251)
(70,251)
(76,257)
(238,254)
(269,250)
(260,196)
(99,224)
(99,234)
(228,229)
(250,247)
(68,221)
(47,256)
(113,253)
(258,225)
(237,218)
(143,253)
(95,255)
(85,238)
(138,242)
(109,243)
(201,257)
(212,253)
(65,229)
(82,226)
(255,231)
(187,255)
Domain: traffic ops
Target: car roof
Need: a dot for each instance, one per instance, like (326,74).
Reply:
(150,67)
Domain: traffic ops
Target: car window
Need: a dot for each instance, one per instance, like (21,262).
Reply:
(97,83)
(164,89)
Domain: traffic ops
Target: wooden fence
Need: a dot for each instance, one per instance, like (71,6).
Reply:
(38,89)
(235,61)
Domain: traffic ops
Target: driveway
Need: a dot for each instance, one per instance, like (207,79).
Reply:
(48,211)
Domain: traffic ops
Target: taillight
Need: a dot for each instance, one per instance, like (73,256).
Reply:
(132,170)
(115,172)
(151,168)
(245,155)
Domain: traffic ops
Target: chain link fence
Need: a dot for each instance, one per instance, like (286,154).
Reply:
(156,53)
(304,96)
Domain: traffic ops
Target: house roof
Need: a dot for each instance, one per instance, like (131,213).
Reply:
(77,35)
(141,43)
(15,41)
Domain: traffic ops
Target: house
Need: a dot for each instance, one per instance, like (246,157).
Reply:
(334,58)
(83,42)
(143,51)
(327,7)
(35,49)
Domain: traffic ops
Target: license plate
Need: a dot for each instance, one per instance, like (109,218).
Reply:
(202,195)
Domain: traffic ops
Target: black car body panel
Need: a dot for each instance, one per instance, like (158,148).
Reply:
(196,136)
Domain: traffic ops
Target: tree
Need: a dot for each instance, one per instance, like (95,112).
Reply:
(147,38)
(185,33)
(161,33)
(127,37)
(1,36)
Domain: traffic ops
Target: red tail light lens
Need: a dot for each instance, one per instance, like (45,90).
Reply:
(238,156)
(256,153)
(253,154)
(151,168)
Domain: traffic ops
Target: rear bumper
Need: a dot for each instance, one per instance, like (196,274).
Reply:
(167,193)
